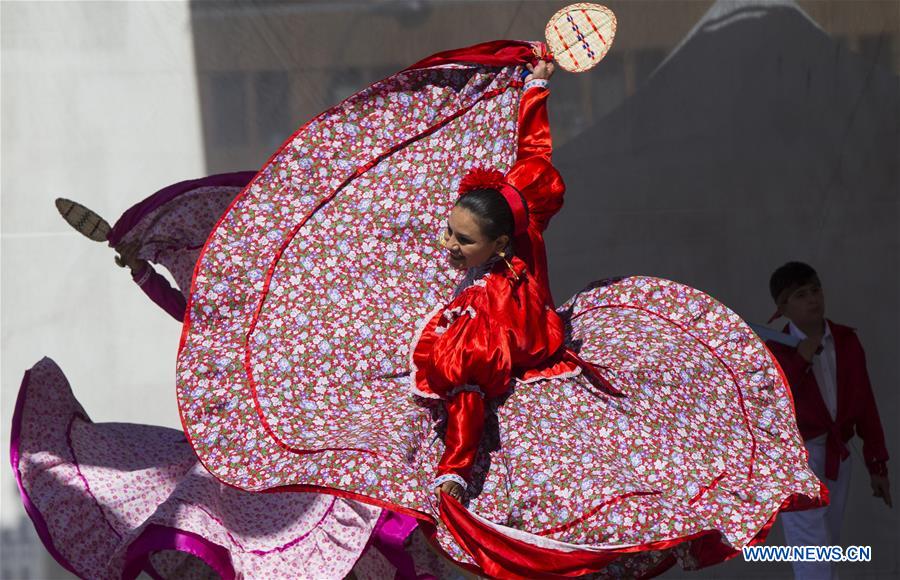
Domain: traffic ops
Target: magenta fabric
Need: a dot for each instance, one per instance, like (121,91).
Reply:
(156,538)
(170,227)
(181,246)
(390,536)
(40,526)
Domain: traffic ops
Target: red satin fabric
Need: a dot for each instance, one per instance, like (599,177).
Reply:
(538,181)
(505,557)
(494,53)
(501,556)
(517,205)
(465,424)
(488,335)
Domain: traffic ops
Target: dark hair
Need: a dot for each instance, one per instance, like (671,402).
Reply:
(491,210)
(790,274)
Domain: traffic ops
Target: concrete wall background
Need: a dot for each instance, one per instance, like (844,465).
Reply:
(99,104)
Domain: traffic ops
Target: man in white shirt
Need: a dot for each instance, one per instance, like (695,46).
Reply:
(833,399)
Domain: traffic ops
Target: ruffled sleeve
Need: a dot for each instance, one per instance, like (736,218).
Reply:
(468,354)
(470,360)
(538,181)
(533,173)
(471,350)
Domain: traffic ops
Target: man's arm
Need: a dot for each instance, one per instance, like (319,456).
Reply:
(868,426)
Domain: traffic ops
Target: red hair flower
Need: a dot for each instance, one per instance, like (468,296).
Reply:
(481,178)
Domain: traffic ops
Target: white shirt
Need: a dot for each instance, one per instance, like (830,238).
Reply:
(824,366)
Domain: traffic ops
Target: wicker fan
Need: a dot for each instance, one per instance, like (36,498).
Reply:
(87,222)
(580,35)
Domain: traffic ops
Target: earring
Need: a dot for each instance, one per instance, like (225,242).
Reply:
(502,254)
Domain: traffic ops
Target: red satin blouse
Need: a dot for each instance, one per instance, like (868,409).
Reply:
(491,333)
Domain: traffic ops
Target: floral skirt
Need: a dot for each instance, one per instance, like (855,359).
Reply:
(690,464)
(112,500)
(293,370)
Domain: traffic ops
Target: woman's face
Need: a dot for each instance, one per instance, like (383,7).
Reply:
(466,244)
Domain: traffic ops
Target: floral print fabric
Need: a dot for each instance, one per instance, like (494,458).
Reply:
(294,367)
(98,487)
(173,233)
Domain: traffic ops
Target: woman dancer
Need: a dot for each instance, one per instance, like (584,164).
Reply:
(640,424)
(501,316)
(112,500)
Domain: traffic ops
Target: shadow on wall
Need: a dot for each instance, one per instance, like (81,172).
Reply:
(759,140)
(745,143)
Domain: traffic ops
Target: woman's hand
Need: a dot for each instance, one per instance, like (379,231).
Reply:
(452,489)
(128,255)
(542,70)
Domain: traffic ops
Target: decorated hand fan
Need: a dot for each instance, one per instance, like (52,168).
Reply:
(86,221)
(580,35)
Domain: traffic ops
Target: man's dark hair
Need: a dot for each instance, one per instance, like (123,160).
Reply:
(790,274)
(491,210)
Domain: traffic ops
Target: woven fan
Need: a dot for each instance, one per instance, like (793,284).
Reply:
(580,35)
(87,222)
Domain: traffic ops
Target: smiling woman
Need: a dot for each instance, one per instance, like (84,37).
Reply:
(469,237)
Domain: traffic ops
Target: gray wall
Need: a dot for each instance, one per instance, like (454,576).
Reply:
(759,140)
